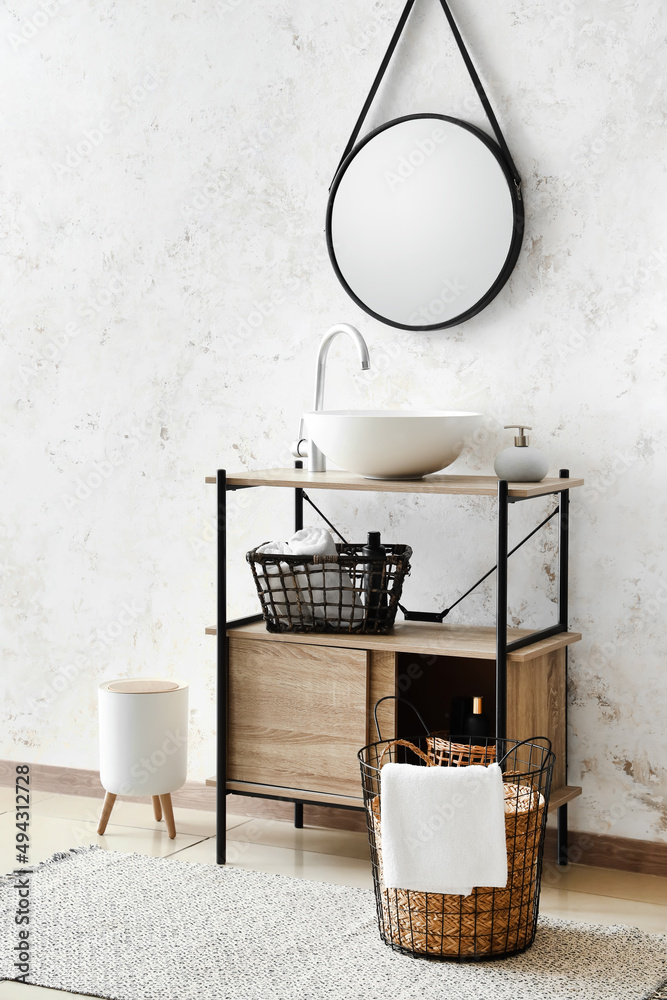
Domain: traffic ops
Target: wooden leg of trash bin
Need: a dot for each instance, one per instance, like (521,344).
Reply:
(157,808)
(168,813)
(109,800)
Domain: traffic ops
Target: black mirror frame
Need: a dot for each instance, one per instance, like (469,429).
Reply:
(517,230)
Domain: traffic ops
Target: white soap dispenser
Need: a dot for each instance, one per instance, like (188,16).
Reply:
(521,464)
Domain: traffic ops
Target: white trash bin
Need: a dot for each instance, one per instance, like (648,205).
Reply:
(143,724)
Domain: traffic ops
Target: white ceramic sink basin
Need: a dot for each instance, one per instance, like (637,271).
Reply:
(391,444)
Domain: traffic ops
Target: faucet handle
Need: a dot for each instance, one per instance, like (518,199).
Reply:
(299,448)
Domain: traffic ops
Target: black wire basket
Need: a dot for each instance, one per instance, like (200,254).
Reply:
(347,592)
(491,922)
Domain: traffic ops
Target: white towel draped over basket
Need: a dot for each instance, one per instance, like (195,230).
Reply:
(443,828)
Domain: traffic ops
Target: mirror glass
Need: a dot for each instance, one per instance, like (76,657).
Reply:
(424,222)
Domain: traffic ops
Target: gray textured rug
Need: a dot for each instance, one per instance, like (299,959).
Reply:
(128,927)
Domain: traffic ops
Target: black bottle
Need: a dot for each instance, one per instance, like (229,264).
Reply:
(477,724)
(375,602)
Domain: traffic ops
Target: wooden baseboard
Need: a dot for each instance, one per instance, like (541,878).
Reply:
(193,795)
(598,850)
(77,781)
(601,851)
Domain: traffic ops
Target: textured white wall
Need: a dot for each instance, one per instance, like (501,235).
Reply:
(164,286)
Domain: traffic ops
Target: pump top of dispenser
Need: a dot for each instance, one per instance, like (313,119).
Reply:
(520,440)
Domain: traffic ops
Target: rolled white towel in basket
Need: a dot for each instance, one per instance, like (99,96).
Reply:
(331,598)
(331,587)
(312,542)
(443,828)
(326,591)
(274,549)
(274,577)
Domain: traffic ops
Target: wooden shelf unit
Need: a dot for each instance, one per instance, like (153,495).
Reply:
(294,708)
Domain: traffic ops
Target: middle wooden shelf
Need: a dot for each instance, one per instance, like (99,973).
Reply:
(474,641)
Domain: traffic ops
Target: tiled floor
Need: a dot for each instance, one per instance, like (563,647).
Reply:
(595,895)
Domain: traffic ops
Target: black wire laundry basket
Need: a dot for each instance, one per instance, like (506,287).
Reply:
(491,922)
(348,592)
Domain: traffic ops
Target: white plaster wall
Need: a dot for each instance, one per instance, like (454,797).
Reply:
(164,290)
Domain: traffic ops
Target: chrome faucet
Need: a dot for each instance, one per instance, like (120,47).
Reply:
(316,460)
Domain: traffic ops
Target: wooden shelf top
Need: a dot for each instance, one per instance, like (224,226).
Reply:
(472,641)
(559,796)
(485,486)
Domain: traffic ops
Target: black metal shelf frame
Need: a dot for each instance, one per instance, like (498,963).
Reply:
(503,647)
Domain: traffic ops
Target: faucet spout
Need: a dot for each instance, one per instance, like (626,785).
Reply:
(316,460)
(362,349)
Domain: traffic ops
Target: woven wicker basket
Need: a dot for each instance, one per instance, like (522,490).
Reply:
(445,753)
(490,922)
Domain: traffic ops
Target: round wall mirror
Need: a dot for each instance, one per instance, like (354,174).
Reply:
(424,222)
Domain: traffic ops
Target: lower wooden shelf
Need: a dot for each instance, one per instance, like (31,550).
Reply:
(559,796)
(293,794)
(563,795)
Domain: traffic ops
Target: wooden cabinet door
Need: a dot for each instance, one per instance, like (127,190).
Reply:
(297,715)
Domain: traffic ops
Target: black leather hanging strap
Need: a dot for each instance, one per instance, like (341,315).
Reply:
(377,81)
(481,93)
(477,83)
